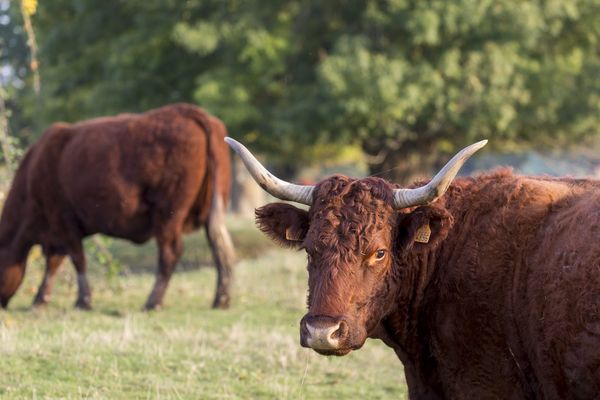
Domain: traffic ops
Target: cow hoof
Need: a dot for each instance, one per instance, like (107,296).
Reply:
(221,303)
(40,300)
(83,305)
(152,307)
(37,303)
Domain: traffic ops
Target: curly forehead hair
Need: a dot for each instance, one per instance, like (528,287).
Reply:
(346,213)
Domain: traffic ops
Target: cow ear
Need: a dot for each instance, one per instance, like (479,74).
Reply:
(285,224)
(423,229)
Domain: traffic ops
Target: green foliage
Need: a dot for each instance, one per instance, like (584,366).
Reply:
(14,54)
(100,58)
(97,249)
(14,61)
(296,77)
(401,74)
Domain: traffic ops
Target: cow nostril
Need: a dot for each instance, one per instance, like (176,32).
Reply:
(324,333)
(341,332)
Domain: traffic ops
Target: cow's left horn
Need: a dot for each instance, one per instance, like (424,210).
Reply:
(281,189)
(404,198)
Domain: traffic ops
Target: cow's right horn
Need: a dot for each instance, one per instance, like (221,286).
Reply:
(404,198)
(270,183)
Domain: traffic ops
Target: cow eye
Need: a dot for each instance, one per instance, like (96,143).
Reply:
(379,254)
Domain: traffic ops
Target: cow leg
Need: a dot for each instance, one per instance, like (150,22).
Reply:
(84,295)
(53,262)
(222,251)
(170,248)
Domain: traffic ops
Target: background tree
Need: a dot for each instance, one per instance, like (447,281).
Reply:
(100,58)
(408,81)
(14,64)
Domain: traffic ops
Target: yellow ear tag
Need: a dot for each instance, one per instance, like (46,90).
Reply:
(423,234)
(289,235)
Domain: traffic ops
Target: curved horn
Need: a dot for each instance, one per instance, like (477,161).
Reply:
(404,198)
(270,183)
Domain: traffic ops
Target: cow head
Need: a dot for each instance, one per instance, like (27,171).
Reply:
(11,275)
(354,234)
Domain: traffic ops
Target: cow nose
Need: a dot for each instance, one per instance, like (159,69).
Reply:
(322,333)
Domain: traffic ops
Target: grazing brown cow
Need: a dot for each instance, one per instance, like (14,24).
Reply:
(491,291)
(134,176)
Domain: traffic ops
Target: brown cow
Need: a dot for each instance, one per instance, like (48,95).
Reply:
(134,176)
(491,291)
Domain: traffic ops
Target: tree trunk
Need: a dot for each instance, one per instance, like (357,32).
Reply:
(246,195)
(402,164)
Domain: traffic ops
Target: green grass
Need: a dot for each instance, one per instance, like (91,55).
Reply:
(186,350)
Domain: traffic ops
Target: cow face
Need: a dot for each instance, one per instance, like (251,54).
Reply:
(354,240)
(357,234)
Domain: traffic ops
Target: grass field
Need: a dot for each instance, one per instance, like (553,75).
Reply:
(186,350)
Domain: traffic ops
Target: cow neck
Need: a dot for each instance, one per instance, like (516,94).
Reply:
(16,235)
(414,275)
(14,210)
(15,249)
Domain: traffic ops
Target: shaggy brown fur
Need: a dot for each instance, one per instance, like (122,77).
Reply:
(503,302)
(133,176)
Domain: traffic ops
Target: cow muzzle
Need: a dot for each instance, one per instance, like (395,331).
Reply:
(325,335)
